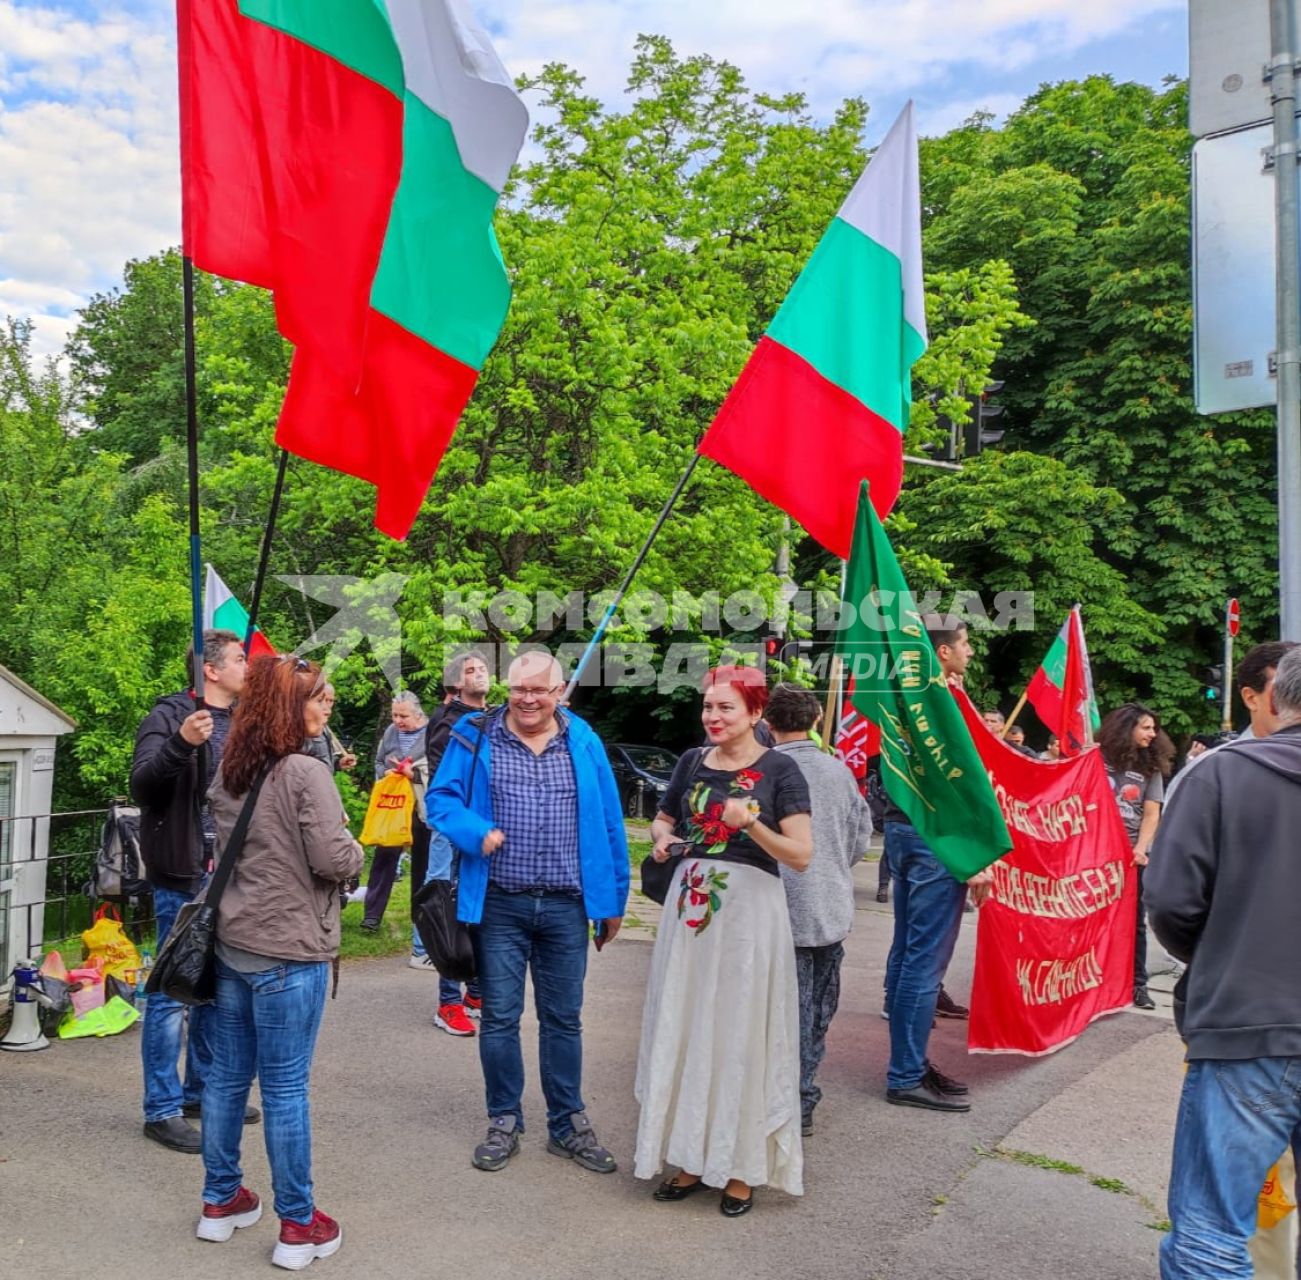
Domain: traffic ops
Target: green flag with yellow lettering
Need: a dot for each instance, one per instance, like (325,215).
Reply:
(929,764)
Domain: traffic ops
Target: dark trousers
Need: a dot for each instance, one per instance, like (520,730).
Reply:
(1140,937)
(419,856)
(883,874)
(817,970)
(384,870)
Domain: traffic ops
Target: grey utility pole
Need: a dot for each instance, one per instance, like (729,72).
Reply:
(1282,77)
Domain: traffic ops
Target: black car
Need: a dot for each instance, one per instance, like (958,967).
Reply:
(642,774)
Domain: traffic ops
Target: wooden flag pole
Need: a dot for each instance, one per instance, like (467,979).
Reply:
(1016,711)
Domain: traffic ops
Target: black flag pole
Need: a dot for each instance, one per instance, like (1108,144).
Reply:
(265,556)
(581,665)
(192,457)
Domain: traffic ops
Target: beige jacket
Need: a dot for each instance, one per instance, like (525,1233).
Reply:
(283,896)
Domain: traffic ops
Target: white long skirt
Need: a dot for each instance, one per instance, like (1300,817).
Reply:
(719,1064)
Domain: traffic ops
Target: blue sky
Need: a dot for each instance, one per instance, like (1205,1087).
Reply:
(88,116)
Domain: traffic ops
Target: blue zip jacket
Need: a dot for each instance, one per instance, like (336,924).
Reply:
(460,806)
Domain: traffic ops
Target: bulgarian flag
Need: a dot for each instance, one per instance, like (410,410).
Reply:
(222,612)
(348,155)
(1062,689)
(823,403)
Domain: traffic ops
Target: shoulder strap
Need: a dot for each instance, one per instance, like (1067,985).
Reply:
(236,842)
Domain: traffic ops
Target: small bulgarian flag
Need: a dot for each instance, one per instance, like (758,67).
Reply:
(348,155)
(824,401)
(1062,689)
(222,612)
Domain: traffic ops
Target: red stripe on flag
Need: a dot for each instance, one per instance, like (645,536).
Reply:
(805,445)
(289,164)
(392,431)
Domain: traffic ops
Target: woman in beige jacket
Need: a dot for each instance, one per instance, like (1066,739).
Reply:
(277,933)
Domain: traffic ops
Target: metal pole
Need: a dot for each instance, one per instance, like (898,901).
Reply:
(1281,75)
(628,577)
(1226,722)
(266,551)
(192,459)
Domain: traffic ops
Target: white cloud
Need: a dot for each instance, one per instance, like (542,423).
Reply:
(88,149)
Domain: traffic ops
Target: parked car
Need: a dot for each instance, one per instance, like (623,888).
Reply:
(643,775)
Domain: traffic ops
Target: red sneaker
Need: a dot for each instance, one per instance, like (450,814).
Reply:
(300,1244)
(473,1005)
(452,1019)
(220,1221)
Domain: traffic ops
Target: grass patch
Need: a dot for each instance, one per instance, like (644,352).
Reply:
(1113,1185)
(1161,1224)
(638,852)
(1039,1162)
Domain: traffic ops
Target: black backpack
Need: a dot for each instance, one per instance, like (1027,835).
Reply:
(119,867)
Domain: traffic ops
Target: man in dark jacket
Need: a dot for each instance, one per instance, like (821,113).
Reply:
(1221,891)
(465,684)
(176,842)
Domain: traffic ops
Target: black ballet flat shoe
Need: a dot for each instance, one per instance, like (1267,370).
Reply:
(670,1190)
(731,1207)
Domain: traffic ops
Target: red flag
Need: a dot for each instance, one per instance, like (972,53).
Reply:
(1055,944)
(1061,691)
(857,738)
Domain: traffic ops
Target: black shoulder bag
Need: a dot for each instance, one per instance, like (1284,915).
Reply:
(447,940)
(657,877)
(186,968)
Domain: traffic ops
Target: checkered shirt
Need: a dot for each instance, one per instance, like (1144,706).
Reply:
(535,804)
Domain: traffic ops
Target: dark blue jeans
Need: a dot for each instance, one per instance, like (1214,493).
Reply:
(927,915)
(165,1027)
(1235,1119)
(264,1024)
(545,934)
(817,970)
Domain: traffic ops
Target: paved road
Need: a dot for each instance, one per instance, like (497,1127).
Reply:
(892,1194)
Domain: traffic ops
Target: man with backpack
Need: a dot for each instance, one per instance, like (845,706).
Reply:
(176,840)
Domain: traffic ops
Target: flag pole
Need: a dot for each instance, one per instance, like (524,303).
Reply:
(1016,711)
(581,665)
(265,556)
(835,683)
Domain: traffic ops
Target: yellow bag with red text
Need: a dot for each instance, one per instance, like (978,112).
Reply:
(106,942)
(1275,1203)
(388,816)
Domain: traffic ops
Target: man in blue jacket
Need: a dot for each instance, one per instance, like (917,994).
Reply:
(525,792)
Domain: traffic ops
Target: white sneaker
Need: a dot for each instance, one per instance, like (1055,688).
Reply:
(423,963)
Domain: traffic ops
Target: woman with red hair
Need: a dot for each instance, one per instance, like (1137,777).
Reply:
(719,1066)
(277,934)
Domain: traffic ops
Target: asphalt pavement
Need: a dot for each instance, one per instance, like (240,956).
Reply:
(1059,1168)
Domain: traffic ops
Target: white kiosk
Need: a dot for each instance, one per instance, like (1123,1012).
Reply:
(30,727)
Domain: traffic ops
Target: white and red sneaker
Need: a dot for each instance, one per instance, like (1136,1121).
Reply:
(473,1006)
(220,1221)
(301,1244)
(452,1019)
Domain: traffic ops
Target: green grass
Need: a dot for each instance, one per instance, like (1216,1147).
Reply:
(1111,1184)
(1038,1161)
(1114,1185)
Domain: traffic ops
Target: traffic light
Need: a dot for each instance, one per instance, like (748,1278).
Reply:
(978,434)
(945,450)
(772,647)
(1214,683)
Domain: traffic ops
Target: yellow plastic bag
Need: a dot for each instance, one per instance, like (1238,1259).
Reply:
(106,941)
(388,816)
(1275,1203)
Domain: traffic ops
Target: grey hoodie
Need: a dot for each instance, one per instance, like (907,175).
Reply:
(1223,892)
(821,898)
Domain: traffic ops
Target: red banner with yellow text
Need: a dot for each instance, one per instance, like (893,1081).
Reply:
(1055,943)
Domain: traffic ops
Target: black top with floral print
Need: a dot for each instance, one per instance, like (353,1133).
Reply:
(773,787)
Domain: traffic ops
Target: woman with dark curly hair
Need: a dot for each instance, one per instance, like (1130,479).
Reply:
(1137,756)
(718,1072)
(277,934)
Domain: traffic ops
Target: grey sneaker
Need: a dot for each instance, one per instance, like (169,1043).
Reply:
(582,1147)
(501,1143)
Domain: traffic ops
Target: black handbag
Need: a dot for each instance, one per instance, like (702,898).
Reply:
(186,967)
(657,877)
(447,940)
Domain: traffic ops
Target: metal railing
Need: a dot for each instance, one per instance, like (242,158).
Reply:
(66,844)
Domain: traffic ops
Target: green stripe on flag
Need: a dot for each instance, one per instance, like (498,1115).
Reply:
(844,316)
(355,34)
(1054,663)
(441,275)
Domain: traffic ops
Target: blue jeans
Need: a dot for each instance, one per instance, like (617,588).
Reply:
(165,1028)
(265,1025)
(927,915)
(443,865)
(544,933)
(1235,1119)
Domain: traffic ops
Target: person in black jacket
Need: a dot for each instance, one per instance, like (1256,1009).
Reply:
(176,843)
(465,684)
(1221,891)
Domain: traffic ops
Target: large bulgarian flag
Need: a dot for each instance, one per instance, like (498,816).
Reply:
(1061,691)
(823,403)
(348,155)
(223,612)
